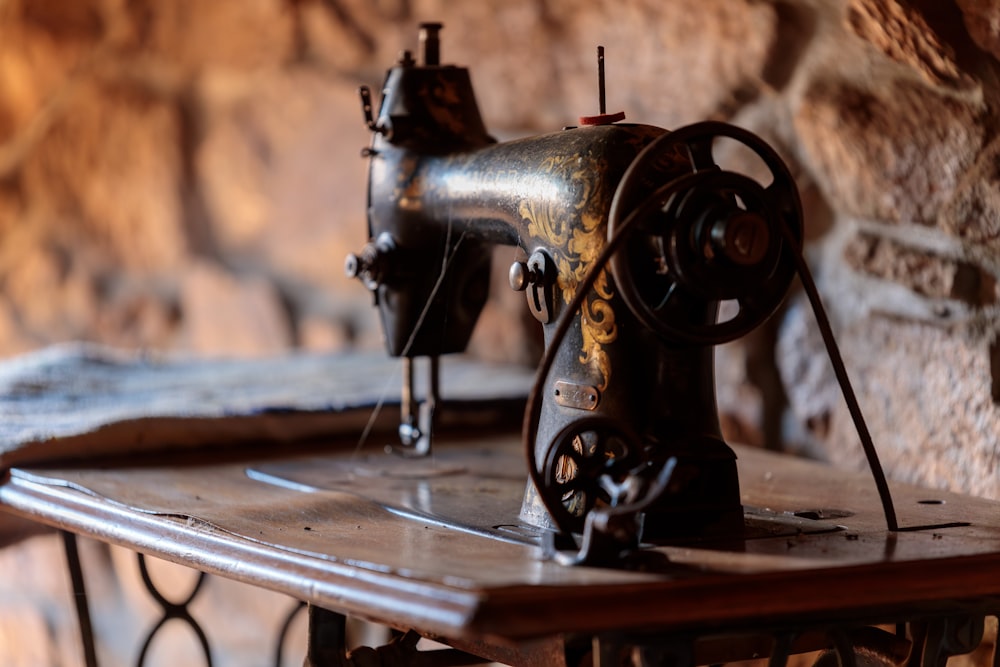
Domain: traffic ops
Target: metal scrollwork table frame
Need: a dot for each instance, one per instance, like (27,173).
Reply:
(433,548)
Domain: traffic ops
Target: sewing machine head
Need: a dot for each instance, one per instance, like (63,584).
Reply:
(632,237)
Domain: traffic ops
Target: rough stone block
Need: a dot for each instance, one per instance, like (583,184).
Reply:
(923,271)
(973,214)
(898,30)
(891,155)
(926,393)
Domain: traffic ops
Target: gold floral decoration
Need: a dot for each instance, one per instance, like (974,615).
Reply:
(575,234)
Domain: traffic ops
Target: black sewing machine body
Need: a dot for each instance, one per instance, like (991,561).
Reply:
(621,396)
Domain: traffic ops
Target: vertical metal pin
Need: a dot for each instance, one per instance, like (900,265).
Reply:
(600,80)
(410,408)
(418,418)
(430,43)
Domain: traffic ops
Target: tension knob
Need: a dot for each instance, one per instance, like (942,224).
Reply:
(536,277)
(520,276)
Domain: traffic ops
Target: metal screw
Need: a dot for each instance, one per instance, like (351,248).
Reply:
(352,265)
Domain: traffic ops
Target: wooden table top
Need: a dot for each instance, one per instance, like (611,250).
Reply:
(436,545)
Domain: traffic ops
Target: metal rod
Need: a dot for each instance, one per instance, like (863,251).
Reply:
(80,599)
(840,371)
(781,650)
(327,638)
(602,102)
(433,389)
(283,633)
(408,401)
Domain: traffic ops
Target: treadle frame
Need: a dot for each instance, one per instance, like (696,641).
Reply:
(339,549)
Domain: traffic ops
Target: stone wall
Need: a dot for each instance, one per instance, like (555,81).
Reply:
(184,176)
(177,177)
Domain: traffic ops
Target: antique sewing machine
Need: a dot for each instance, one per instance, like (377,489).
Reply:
(638,255)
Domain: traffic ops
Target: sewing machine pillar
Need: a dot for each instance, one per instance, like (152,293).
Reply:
(665,397)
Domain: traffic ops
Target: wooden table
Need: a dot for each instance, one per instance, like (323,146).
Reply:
(436,545)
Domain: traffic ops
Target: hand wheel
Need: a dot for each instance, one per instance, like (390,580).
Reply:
(705,236)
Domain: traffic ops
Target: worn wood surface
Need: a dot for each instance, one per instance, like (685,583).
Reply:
(382,538)
(81,401)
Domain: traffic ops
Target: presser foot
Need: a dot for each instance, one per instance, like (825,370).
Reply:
(417,418)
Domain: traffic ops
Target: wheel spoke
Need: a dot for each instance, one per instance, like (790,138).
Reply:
(683,309)
(700,153)
(571,485)
(662,305)
(777,195)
